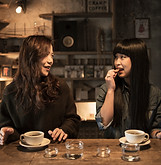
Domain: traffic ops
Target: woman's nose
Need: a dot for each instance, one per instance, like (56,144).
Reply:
(117,62)
(50,60)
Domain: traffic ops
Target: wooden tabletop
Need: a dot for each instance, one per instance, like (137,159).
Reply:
(15,154)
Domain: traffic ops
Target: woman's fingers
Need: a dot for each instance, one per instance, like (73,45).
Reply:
(62,136)
(159,135)
(58,134)
(1,138)
(115,72)
(112,73)
(4,133)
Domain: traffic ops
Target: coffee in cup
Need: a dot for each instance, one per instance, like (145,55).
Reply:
(32,137)
(136,136)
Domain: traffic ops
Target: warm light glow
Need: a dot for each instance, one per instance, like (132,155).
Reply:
(86,110)
(18,9)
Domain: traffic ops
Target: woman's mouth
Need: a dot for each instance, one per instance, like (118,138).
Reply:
(120,69)
(47,68)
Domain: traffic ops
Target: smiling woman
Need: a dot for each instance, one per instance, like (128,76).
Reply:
(46,63)
(37,100)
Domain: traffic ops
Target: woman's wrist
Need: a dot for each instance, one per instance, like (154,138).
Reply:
(111,90)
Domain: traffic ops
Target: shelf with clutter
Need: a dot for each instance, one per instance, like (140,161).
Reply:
(86,32)
(84,73)
(83,50)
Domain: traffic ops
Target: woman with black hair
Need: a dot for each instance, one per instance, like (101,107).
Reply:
(127,100)
(37,100)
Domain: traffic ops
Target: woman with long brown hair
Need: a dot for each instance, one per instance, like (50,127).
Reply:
(37,100)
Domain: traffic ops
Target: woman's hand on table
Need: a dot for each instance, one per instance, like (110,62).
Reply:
(158,135)
(4,133)
(58,133)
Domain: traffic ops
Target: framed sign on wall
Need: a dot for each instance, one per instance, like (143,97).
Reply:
(142,28)
(98,6)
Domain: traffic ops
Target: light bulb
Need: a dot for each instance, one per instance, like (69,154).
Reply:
(18,9)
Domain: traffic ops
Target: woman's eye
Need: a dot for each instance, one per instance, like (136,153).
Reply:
(116,58)
(123,57)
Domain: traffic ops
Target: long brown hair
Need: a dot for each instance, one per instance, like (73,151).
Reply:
(33,90)
(139,83)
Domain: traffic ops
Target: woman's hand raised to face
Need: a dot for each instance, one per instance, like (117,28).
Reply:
(109,78)
(58,133)
(4,133)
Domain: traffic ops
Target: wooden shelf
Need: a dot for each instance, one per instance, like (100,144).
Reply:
(3,5)
(6,79)
(83,79)
(76,15)
(11,55)
(8,35)
(80,53)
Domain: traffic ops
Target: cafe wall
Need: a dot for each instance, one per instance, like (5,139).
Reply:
(125,12)
(29,22)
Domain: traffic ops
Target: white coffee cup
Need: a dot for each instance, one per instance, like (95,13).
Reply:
(32,137)
(136,136)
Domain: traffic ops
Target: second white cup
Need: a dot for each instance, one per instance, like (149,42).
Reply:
(136,136)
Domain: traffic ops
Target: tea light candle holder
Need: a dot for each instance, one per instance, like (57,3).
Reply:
(50,152)
(103,152)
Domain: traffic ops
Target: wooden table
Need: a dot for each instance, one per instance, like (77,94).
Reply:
(15,154)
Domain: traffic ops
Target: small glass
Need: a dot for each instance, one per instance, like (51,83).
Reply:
(103,152)
(74,149)
(130,152)
(50,152)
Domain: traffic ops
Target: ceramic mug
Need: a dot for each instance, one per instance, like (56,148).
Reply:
(136,136)
(32,137)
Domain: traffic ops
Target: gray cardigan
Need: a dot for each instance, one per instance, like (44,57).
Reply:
(154,112)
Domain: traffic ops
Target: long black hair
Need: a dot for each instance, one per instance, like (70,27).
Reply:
(33,90)
(136,49)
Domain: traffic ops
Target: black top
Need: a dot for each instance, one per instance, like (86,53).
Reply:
(61,114)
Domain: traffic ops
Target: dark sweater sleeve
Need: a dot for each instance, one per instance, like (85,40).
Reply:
(72,120)
(6,121)
(155,107)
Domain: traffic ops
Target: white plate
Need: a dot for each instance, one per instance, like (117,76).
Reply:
(44,143)
(123,140)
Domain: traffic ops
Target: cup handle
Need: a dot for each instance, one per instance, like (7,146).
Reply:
(22,138)
(146,137)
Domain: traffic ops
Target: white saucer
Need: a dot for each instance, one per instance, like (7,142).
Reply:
(45,142)
(123,140)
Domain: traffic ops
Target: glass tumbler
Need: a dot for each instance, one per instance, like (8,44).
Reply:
(130,152)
